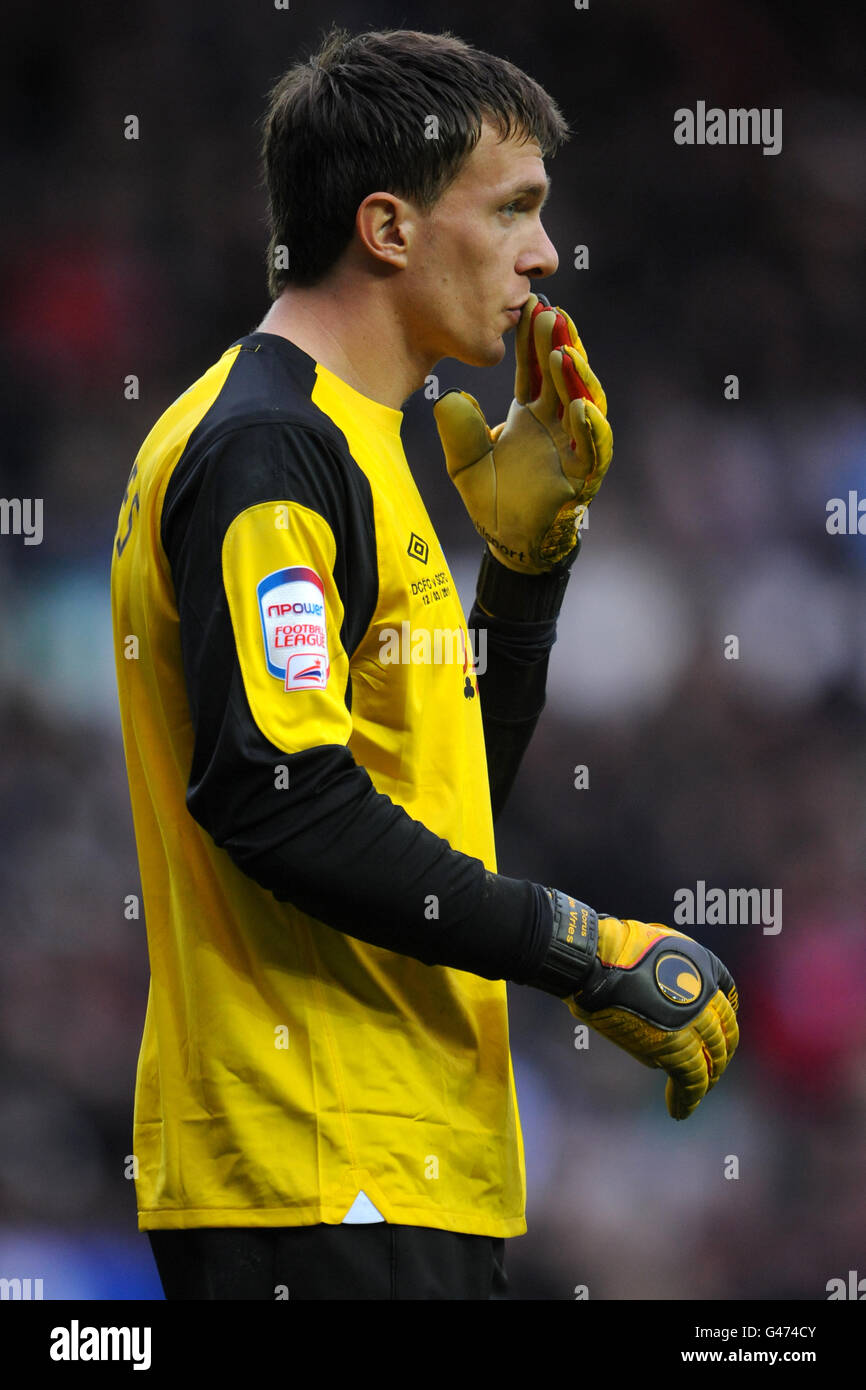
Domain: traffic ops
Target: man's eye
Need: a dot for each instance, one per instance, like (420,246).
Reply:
(509,207)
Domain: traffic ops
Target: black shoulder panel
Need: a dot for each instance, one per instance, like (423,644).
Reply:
(264,440)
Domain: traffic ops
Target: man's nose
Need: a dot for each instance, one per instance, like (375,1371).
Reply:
(541,259)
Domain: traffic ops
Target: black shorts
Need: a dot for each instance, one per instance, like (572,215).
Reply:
(374,1261)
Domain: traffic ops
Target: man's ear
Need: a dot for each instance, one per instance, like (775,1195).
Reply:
(386,227)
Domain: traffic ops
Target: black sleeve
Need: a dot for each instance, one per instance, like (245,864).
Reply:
(333,845)
(518,614)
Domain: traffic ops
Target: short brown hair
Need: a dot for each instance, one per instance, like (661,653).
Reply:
(359,117)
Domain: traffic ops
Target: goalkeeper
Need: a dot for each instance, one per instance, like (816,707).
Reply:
(325,1104)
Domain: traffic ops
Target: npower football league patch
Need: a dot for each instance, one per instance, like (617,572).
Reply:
(292,609)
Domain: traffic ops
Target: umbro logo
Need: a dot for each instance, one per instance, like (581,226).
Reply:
(418,549)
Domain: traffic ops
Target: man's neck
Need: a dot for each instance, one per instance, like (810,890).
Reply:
(362,344)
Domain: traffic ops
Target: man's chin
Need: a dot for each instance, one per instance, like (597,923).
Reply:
(487,355)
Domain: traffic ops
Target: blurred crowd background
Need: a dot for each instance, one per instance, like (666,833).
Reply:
(146,257)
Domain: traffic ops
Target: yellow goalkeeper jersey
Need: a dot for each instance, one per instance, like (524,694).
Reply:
(306,761)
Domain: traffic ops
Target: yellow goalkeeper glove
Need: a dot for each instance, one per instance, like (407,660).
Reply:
(527,482)
(656,993)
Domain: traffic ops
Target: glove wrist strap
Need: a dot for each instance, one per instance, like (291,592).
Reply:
(573,946)
(503,593)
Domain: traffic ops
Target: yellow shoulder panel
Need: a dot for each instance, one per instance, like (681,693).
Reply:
(277,563)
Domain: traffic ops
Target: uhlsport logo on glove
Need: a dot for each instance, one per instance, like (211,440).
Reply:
(678,979)
(292,610)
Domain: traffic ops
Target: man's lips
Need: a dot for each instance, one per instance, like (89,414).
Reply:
(515,310)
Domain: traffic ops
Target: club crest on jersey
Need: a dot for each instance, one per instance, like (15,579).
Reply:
(292,609)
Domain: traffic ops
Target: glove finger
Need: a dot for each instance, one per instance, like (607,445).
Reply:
(688,1074)
(680,1103)
(725,982)
(546,325)
(533,355)
(584,459)
(526,385)
(575,378)
(709,1029)
(462,430)
(592,447)
(730,1026)
(726,1021)
(573,335)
